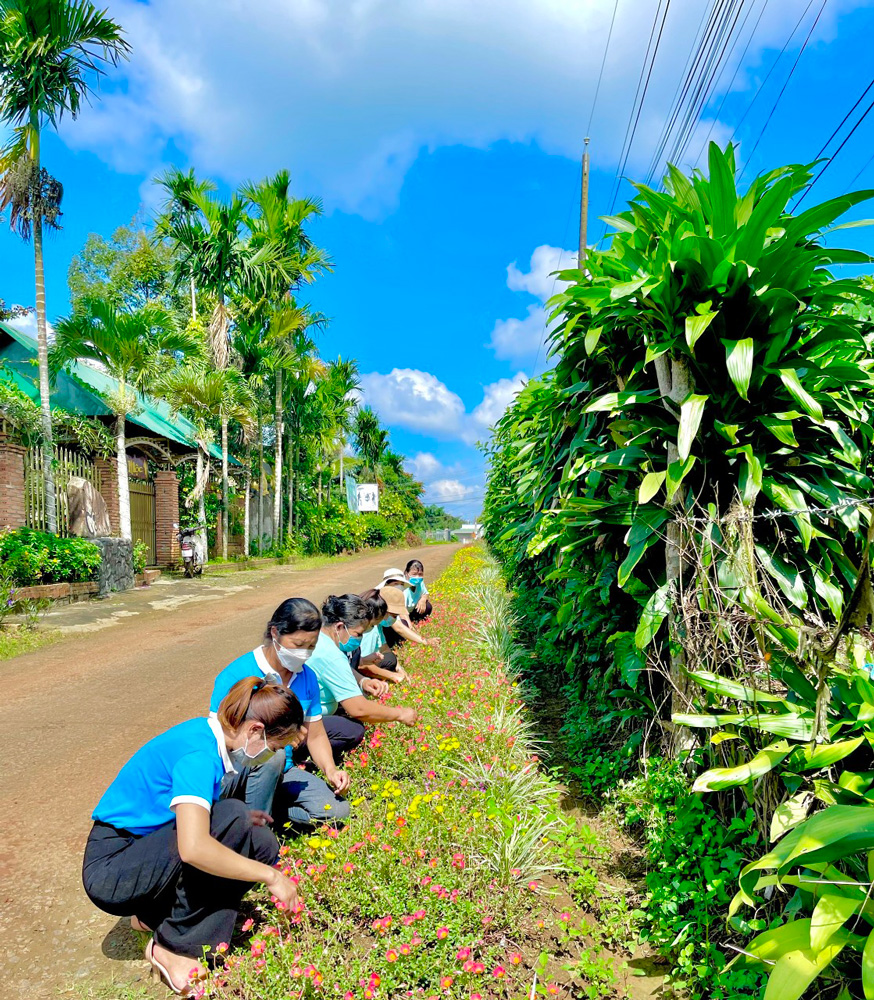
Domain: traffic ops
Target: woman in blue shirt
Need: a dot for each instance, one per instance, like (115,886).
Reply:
(166,852)
(417,596)
(289,641)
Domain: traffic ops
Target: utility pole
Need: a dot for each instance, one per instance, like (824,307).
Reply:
(584,206)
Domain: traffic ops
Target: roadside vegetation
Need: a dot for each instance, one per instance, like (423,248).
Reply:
(682,508)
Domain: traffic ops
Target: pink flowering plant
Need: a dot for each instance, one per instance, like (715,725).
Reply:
(443,882)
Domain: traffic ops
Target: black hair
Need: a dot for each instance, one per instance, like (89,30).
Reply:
(412,563)
(296,614)
(348,609)
(376,603)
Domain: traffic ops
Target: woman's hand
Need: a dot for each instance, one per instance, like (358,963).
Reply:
(339,781)
(408,716)
(284,891)
(374,687)
(433,641)
(421,604)
(260,818)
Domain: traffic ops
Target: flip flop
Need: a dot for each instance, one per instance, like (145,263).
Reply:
(163,974)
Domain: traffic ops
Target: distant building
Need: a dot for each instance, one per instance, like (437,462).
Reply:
(467,533)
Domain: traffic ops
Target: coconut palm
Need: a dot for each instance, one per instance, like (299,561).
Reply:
(181,186)
(133,347)
(371,440)
(206,393)
(50,53)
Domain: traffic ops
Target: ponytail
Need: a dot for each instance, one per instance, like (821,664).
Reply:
(274,706)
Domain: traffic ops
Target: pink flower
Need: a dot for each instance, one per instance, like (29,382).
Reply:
(248,925)
(442,932)
(462,954)
(221,947)
(515,958)
(564,917)
(532,886)
(257,947)
(446,982)
(499,972)
(391,955)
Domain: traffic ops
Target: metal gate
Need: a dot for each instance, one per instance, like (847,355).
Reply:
(142,516)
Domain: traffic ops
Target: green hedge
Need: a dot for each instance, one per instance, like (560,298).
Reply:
(31,557)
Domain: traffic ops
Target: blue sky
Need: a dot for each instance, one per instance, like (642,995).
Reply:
(443,139)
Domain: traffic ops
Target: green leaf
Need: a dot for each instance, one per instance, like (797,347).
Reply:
(677,472)
(652,483)
(618,400)
(794,972)
(696,325)
(728,688)
(718,778)
(802,397)
(830,914)
(691,412)
(781,429)
(592,338)
(739,362)
(787,577)
(728,431)
(626,288)
(789,814)
(829,753)
(654,613)
(868,967)
(628,659)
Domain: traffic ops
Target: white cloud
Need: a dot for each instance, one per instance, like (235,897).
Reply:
(27,325)
(524,340)
(424,466)
(450,489)
(414,399)
(347,92)
(420,402)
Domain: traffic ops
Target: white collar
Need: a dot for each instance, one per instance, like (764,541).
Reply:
(265,668)
(219,734)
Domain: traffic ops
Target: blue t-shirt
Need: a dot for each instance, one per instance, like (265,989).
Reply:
(184,764)
(414,593)
(336,680)
(372,640)
(254,664)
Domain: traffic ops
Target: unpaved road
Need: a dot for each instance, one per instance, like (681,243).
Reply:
(73,713)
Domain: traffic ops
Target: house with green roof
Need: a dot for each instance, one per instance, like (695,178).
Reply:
(157,441)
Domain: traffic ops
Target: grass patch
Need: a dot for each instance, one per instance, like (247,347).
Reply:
(17,642)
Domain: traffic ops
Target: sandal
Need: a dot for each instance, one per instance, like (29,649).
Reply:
(163,974)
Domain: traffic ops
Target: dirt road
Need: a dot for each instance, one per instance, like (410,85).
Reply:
(73,713)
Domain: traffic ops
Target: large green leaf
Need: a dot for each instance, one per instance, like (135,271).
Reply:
(695,326)
(691,412)
(719,778)
(618,400)
(829,753)
(794,972)
(739,362)
(788,578)
(789,814)
(832,911)
(868,967)
(652,483)
(802,397)
(729,688)
(654,613)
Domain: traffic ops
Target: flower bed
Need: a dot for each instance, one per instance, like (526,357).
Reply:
(30,558)
(455,875)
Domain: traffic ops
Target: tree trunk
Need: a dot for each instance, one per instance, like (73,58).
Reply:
(201,506)
(248,487)
(341,463)
(225,488)
(42,340)
(277,463)
(261,483)
(289,450)
(320,487)
(193,299)
(123,484)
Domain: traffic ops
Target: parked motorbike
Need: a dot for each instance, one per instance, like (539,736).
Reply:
(191,548)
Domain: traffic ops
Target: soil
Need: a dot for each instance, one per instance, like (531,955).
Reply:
(73,713)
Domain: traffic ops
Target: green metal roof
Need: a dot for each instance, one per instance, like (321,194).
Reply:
(82,389)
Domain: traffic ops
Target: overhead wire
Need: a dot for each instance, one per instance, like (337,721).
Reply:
(749,159)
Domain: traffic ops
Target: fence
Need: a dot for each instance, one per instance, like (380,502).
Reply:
(440,535)
(142,516)
(68,463)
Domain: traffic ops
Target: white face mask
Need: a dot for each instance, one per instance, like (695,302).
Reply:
(291,659)
(261,757)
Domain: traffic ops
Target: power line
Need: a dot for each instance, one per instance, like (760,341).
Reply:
(843,122)
(834,156)
(603,64)
(764,128)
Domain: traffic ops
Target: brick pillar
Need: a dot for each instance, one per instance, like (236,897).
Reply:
(12,511)
(166,515)
(108,475)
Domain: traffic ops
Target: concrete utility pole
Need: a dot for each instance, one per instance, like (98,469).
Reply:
(584,206)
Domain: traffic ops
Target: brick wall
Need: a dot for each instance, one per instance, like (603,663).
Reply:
(107,473)
(166,515)
(12,511)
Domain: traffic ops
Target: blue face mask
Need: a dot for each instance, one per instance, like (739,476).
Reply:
(389,620)
(351,644)
(416,580)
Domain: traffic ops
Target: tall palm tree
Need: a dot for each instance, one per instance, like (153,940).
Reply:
(206,393)
(222,260)
(371,440)
(50,53)
(181,187)
(133,347)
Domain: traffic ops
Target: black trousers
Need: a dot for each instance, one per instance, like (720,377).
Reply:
(188,909)
(416,616)
(344,733)
(389,661)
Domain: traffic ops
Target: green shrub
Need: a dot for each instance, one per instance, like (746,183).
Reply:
(32,557)
(140,550)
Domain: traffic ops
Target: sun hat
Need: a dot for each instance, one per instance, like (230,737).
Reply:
(393,575)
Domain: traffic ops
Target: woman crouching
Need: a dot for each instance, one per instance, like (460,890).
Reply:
(167,853)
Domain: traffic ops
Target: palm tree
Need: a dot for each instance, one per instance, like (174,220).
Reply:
(371,440)
(206,393)
(48,51)
(131,346)
(222,261)
(180,208)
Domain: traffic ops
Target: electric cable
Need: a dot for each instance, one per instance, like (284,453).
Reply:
(603,64)
(833,157)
